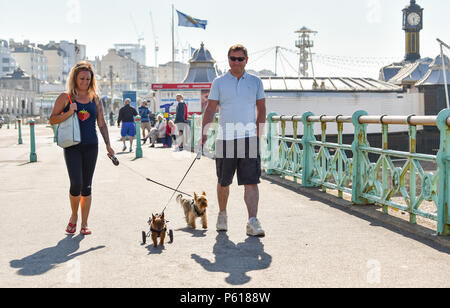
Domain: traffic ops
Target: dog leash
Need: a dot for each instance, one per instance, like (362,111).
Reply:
(150,180)
(199,155)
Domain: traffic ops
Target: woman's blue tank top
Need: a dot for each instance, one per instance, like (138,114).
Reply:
(87,116)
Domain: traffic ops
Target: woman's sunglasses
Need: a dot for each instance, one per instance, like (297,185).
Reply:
(240,59)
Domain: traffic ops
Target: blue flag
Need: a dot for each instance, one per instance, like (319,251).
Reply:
(187,21)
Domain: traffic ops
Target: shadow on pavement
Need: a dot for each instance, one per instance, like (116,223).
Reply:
(194,232)
(46,259)
(236,259)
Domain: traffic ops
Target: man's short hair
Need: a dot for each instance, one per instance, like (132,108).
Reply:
(238,47)
(127,100)
(179,95)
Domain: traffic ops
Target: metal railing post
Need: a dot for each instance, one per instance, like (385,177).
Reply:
(308,150)
(443,159)
(359,140)
(271,143)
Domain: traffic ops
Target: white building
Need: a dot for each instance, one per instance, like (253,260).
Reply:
(57,63)
(137,52)
(7,62)
(165,72)
(30,58)
(74,52)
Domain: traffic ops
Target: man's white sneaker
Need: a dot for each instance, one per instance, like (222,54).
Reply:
(222,224)
(254,228)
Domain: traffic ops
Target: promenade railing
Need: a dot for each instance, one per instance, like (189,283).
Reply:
(390,178)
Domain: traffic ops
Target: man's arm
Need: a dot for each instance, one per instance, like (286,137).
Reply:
(208,117)
(260,116)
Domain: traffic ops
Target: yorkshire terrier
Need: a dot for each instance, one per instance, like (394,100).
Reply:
(158,228)
(195,208)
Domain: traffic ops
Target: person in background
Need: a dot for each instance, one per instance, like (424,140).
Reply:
(126,115)
(170,131)
(181,120)
(144,112)
(158,132)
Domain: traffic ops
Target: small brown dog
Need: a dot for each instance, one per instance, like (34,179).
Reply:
(158,229)
(195,208)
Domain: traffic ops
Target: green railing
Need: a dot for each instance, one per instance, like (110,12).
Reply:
(392,179)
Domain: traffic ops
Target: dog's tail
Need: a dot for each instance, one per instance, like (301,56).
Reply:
(179,197)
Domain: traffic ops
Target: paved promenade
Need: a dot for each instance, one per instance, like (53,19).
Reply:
(310,240)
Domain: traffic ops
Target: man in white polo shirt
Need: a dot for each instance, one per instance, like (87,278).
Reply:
(242,103)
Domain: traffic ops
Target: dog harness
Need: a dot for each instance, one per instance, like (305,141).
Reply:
(158,231)
(199,213)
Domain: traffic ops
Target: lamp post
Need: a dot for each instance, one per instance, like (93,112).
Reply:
(111,77)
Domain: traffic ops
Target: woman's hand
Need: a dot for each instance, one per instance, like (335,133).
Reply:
(73,108)
(111,152)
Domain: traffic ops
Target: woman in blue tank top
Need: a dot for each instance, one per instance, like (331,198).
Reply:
(82,158)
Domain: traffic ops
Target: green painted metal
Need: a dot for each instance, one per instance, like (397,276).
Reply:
(360,174)
(20,131)
(139,153)
(443,158)
(392,179)
(33,156)
(308,150)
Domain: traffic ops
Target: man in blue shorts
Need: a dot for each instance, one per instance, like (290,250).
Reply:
(126,115)
(242,103)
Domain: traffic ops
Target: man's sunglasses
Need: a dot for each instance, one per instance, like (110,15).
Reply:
(240,59)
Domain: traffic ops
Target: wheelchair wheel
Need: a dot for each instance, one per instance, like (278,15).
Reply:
(171,236)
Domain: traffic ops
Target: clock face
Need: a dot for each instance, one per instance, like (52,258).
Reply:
(413,19)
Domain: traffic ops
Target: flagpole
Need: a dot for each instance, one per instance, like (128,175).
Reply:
(173,44)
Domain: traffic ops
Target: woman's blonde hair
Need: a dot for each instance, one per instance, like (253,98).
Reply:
(82,66)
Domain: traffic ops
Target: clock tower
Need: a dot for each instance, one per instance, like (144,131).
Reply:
(412,24)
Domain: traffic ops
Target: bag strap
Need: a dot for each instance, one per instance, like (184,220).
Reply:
(70,100)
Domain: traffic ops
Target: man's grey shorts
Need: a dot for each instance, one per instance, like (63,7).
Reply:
(241,155)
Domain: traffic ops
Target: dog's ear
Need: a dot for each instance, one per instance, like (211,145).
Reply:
(195,196)
(162,216)
(204,193)
(153,217)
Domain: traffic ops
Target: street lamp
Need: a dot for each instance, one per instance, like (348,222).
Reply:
(111,77)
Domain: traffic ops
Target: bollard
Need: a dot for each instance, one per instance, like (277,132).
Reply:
(20,131)
(9,120)
(33,156)
(15,123)
(138,137)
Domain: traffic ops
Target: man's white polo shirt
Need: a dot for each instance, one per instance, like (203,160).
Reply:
(237,100)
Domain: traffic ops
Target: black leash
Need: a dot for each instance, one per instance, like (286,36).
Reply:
(169,188)
(198,157)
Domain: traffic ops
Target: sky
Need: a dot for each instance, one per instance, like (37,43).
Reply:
(354,37)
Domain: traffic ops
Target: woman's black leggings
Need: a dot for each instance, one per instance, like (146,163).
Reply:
(81,161)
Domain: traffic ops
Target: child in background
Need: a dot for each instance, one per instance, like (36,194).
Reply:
(170,131)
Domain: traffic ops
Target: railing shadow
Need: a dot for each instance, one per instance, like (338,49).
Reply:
(369,213)
(236,259)
(46,259)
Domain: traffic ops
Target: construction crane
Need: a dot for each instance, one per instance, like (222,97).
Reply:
(140,36)
(155,38)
